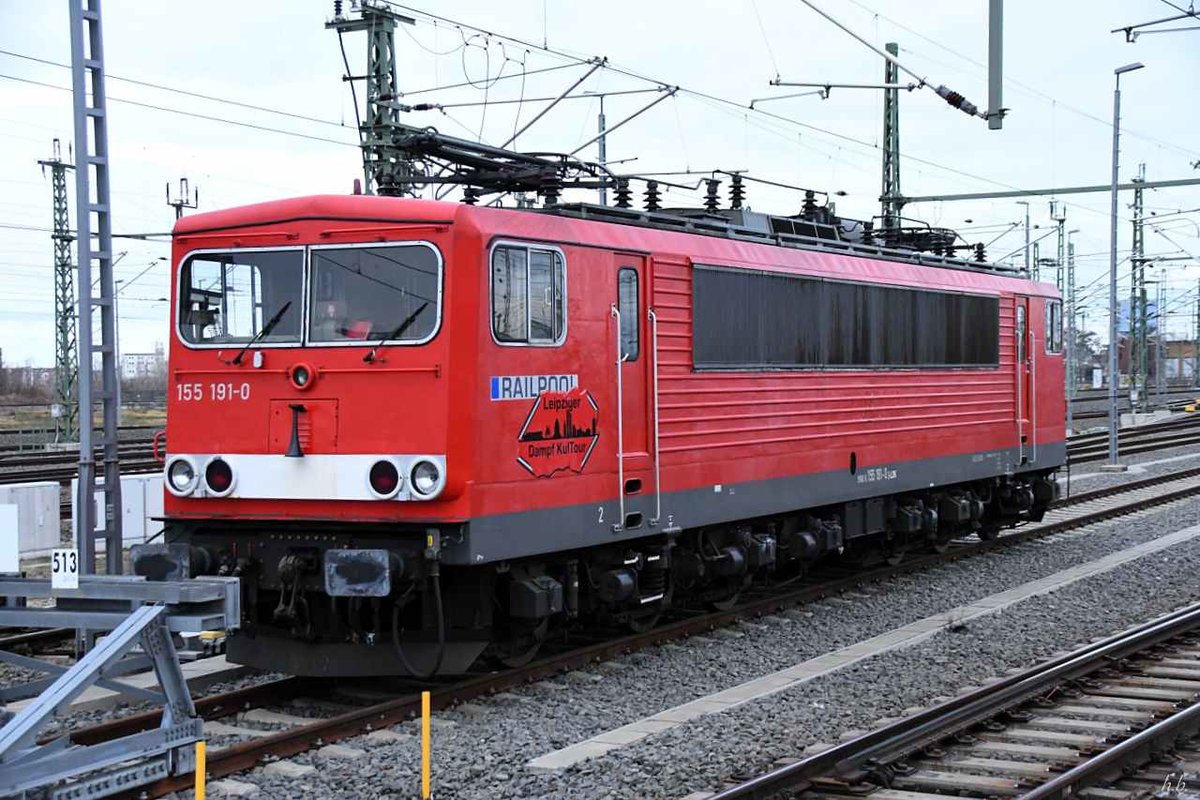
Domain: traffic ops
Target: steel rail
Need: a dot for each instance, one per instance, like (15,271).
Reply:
(1111,763)
(35,637)
(856,759)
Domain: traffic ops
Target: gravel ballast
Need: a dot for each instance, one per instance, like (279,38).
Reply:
(480,751)
(1088,476)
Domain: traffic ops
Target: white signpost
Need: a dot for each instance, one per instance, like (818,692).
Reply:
(64,569)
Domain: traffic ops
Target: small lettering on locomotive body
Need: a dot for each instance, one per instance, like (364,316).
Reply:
(561,403)
(876,474)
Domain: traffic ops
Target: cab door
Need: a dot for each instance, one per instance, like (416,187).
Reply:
(632,360)
(1023,349)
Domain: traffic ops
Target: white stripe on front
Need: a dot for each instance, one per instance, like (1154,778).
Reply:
(318,476)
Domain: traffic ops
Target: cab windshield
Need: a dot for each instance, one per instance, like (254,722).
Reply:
(227,298)
(374,293)
(353,295)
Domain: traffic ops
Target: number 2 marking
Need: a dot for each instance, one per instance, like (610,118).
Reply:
(601,515)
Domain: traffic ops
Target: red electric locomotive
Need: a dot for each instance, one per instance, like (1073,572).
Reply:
(426,433)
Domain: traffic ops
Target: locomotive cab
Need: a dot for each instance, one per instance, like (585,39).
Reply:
(308,416)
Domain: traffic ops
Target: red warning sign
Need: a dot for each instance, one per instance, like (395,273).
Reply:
(560,432)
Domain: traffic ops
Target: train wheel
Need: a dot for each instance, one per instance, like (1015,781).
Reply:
(521,647)
(725,598)
(644,621)
(727,603)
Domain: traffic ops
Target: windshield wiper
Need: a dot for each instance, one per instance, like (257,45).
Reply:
(397,333)
(266,330)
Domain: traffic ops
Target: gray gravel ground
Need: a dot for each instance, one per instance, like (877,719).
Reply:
(78,719)
(11,675)
(480,751)
(1086,477)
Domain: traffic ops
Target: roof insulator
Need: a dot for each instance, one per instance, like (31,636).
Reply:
(550,189)
(809,210)
(622,196)
(652,196)
(737,192)
(711,201)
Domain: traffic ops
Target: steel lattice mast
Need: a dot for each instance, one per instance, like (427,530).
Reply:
(386,170)
(94,217)
(1138,327)
(66,361)
(892,199)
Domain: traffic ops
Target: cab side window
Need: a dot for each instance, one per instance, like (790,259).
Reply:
(1020,334)
(528,289)
(627,304)
(1054,326)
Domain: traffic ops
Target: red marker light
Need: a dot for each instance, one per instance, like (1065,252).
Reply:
(219,476)
(384,478)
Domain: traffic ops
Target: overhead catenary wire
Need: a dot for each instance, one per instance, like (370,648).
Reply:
(447,86)
(725,104)
(1018,84)
(192,114)
(955,99)
(185,92)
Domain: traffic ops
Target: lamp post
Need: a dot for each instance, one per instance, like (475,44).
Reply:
(601,143)
(1114,419)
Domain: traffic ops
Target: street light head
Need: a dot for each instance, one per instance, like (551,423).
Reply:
(1128,68)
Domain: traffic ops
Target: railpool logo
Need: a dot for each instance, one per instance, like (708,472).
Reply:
(560,433)
(527,387)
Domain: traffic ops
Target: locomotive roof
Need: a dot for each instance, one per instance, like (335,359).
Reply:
(743,226)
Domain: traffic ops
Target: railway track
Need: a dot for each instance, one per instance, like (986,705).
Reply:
(34,440)
(1101,722)
(1142,439)
(135,457)
(33,638)
(278,698)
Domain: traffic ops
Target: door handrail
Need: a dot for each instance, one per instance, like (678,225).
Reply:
(654,388)
(1033,387)
(1019,375)
(620,523)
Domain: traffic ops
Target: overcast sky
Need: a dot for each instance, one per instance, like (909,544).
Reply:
(1059,61)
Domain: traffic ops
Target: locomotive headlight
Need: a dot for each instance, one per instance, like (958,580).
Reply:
(302,376)
(426,479)
(181,477)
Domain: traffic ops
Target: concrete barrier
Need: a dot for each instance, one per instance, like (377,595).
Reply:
(37,509)
(141,501)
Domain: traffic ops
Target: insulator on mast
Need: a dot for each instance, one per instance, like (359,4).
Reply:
(957,100)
